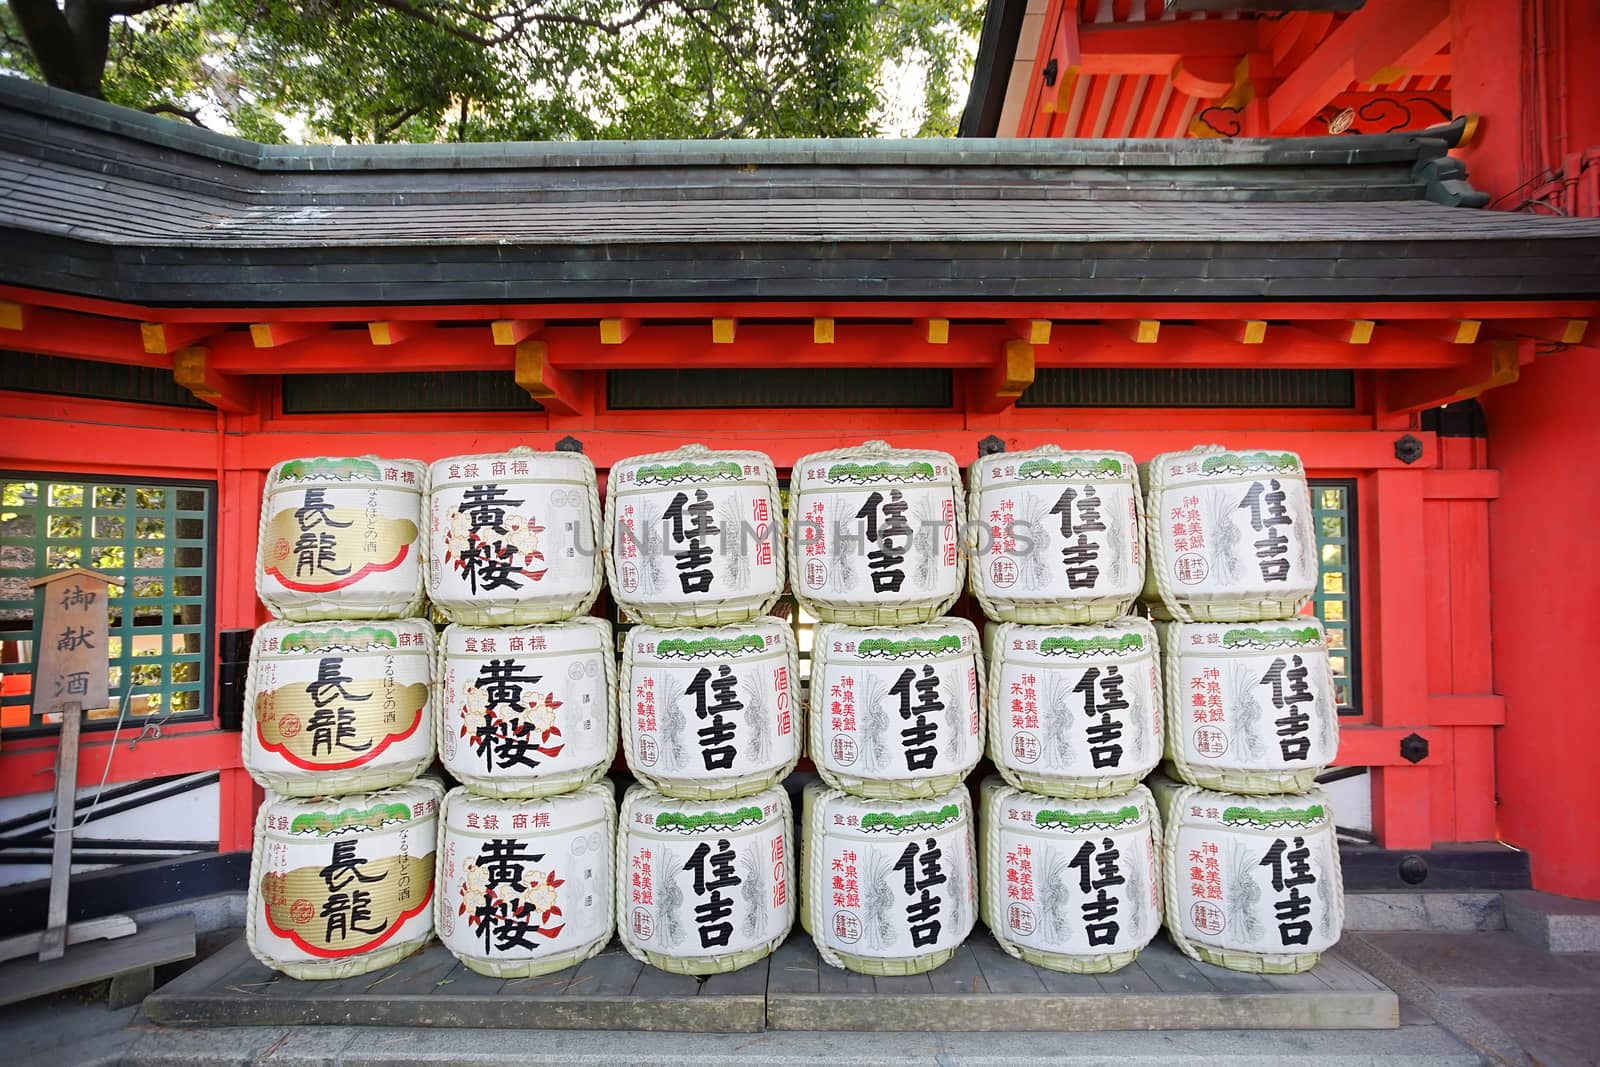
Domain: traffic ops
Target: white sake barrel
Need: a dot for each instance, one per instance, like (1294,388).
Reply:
(1231,535)
(1059,535)
(340,886)
(1251,706)
(872,534)
(335,708)
(525,886)
(894,709)
(694,537)
(514,537)
(1251,883)
(527,711)
(342,538)
(890,886)
(1074,711)
(1069,885)
(711,713)
(704,887)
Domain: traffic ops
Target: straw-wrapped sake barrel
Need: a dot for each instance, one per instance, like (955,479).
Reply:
(872,534)
(1230,533)
(525,885)
(704,887)
(694,537)
(527,711)
(342,538)
(894,709)
(340,886)
(1069,885)
(1073,711)
(335,708)
(890,886)
(1252,706)
(1251,883)
(711,713)
(514,537)
(1059,535)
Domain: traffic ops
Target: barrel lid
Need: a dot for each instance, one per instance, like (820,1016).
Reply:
(693,464)
(1302,631)
(530,815)
(1052,463)
(942,638)
(583,635)
(519,462)
(874,462)
(399,636)
(1027,812)
(349,469)
(842,813)
(1116,640)
(414,803)
(651,813)
(671,644)
(1297,812)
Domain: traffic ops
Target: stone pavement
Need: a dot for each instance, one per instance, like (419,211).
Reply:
(1466,998)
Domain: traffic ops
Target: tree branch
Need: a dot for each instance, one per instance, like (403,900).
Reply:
(174,109)
(113,8)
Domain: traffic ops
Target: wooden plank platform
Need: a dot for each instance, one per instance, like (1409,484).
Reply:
(129,962)
(981,989)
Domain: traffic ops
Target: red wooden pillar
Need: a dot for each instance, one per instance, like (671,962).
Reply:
(1401,812)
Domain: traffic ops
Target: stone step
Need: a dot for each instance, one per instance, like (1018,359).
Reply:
(1555,924)
(1457,911)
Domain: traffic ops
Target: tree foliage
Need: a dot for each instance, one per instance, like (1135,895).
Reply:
(428,70)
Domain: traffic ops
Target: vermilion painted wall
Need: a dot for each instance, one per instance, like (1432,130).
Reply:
(1528,69)
(1545,577)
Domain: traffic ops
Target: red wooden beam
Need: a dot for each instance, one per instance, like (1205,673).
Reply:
(1551,331)
(997,386)
(774,345)
(278,334)
(63,333)
(1493,364)
(1292,347)
(558,391)
(396,331)
(786,441)
(1060,310)
(1156,47)
(193,370)
(346,352)
(1033,112)
(165,338)
(1384,37)
(514,331)
(1064,51)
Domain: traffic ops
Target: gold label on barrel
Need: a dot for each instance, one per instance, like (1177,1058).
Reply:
(339,883)
(326,538)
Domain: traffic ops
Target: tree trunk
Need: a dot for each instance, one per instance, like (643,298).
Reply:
(52,35)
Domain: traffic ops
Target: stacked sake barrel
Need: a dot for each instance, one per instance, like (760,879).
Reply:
(1067,843)
(339,720)
(526,713)
(889,884)
(705,852)
(1252,877)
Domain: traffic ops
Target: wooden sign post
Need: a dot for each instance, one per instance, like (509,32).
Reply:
(71,674)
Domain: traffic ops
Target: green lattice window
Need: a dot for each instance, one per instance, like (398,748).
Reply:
(1333,501)
(155,538)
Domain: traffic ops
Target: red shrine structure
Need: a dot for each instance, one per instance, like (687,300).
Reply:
(1367,232)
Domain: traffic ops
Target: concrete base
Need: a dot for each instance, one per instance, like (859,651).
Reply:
(1555,924)
(1442,910)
